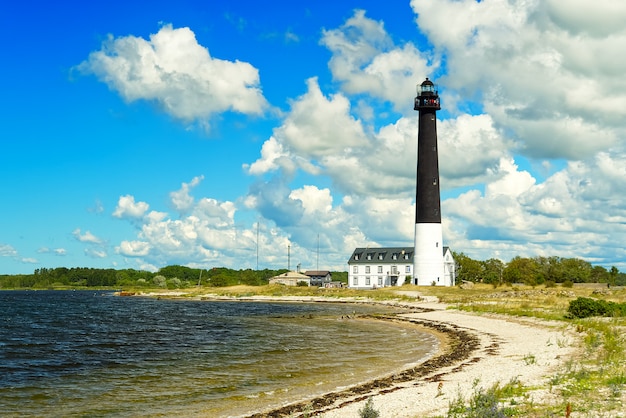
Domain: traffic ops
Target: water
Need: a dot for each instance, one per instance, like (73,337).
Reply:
(88,353)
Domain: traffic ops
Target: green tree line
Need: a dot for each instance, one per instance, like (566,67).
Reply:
(530,271)
(171,277)
(535,271)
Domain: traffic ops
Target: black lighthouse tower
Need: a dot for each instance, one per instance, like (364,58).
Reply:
(428,266)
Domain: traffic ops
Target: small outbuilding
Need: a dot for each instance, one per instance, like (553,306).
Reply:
(291,278)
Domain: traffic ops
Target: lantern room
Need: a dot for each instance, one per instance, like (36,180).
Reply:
(427,96)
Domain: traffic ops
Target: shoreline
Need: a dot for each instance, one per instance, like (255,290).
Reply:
(476,351)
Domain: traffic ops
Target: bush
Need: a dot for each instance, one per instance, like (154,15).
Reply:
(586,307)
(368,410)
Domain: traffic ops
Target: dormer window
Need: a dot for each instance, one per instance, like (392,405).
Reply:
(380,256)
(394,256)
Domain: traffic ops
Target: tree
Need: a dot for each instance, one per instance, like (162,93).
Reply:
(492,271)
(521,270)
(468,269)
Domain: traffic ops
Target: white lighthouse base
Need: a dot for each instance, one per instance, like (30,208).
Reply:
(428,259)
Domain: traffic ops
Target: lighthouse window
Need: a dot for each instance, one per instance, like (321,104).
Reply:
(434,181)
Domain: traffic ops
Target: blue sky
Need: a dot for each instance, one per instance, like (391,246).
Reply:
(143,134)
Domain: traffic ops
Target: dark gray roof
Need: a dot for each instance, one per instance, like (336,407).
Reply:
(312,273)
(382,255)
(369,255)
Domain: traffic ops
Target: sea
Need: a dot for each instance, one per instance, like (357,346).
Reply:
(94,354)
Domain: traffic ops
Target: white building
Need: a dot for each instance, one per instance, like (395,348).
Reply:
(370,268)
(291,278)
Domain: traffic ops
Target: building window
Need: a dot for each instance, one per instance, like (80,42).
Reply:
(355,281)
(367,280)
(380,269)
(367,269)
(394,256)
(408,269)
(394,270)
(355,269)
(380,280)
(406,256)
(356,256)
(369,256)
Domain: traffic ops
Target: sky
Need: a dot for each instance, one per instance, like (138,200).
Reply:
(273,134)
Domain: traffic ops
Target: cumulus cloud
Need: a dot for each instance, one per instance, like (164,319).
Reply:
(181,199)
(133,248)
(180,75)
(365,60)
(127,208)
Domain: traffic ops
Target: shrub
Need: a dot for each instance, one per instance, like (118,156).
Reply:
(368,410)
(586,307)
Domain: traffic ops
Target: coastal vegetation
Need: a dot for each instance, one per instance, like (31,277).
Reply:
(535,271)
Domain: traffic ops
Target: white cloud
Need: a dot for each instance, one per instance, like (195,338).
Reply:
(318,126)
(7,250)
(55,251)
(576,212)
(133,248)
(94,252)
(87,237)
(181,199)
(365,60)
(174,71)
(127,208)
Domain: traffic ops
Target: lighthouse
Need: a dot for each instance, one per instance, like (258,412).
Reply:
(428,265)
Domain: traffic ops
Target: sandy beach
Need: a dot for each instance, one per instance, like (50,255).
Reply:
(508,348)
